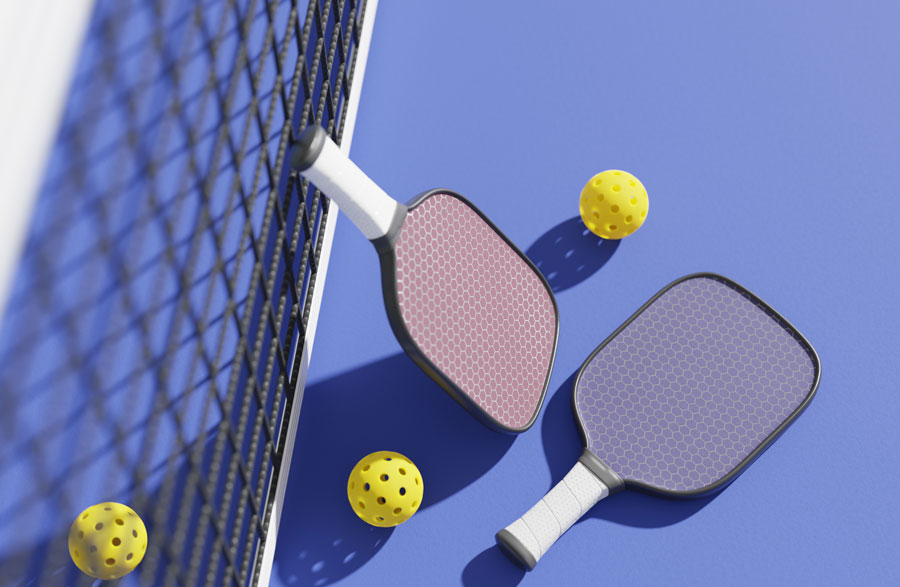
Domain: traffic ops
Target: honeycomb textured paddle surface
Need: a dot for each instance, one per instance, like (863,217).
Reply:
(691,387)
(475,308)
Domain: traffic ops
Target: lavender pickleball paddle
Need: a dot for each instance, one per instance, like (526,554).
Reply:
(677,402)
(469,308)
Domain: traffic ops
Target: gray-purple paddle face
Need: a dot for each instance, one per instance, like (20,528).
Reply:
(693,387)
(470,309)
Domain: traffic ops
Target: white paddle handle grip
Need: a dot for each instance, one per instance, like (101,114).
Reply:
(321,161)
(528,538)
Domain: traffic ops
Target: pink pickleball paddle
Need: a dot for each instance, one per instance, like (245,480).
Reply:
(467,305)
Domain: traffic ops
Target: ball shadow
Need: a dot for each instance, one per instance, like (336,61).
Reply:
(491,568)
(569,253)
(386,405)
(562,447)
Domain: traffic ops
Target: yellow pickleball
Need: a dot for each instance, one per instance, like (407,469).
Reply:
(107,540)
(385,489)
(614,204)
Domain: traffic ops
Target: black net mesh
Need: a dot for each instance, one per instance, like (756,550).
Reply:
(149,350)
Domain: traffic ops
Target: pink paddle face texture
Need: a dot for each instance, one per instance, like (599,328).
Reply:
(475,308)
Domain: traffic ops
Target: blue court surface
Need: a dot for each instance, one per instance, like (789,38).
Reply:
(767,135)
(158,321)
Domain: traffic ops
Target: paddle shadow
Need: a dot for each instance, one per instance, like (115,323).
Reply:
(492,568)
(562,447)
(569,253)
(386,405)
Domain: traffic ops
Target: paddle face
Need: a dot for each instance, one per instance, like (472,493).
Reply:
(471,309)
(693,387)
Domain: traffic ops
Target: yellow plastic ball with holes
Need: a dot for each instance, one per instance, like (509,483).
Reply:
(107,540)
(614,204)
(385,489)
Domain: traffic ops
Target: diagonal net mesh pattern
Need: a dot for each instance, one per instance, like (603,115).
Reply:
(149,353)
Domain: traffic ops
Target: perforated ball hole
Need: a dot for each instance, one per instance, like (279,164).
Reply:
(598,182)
(99,526)
(403,491)
(120,522)
(93,548)
(380,501)
(85,515)
(352,484)
(643,213)
(129,556)
(402,471)
(387,458)
(384,477)
(616,187)
(134,533)
(397,511)
(116,541)
(614,208)
(633,201)
(361,505)
(600,197)
(107,509)
(415,503)
(77,554)
(380,519)
(110,562)
(81,533)
(417,480)
(628,219)
(366,487)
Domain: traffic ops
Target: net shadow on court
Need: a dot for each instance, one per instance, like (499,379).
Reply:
(147,353)
(389,404)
